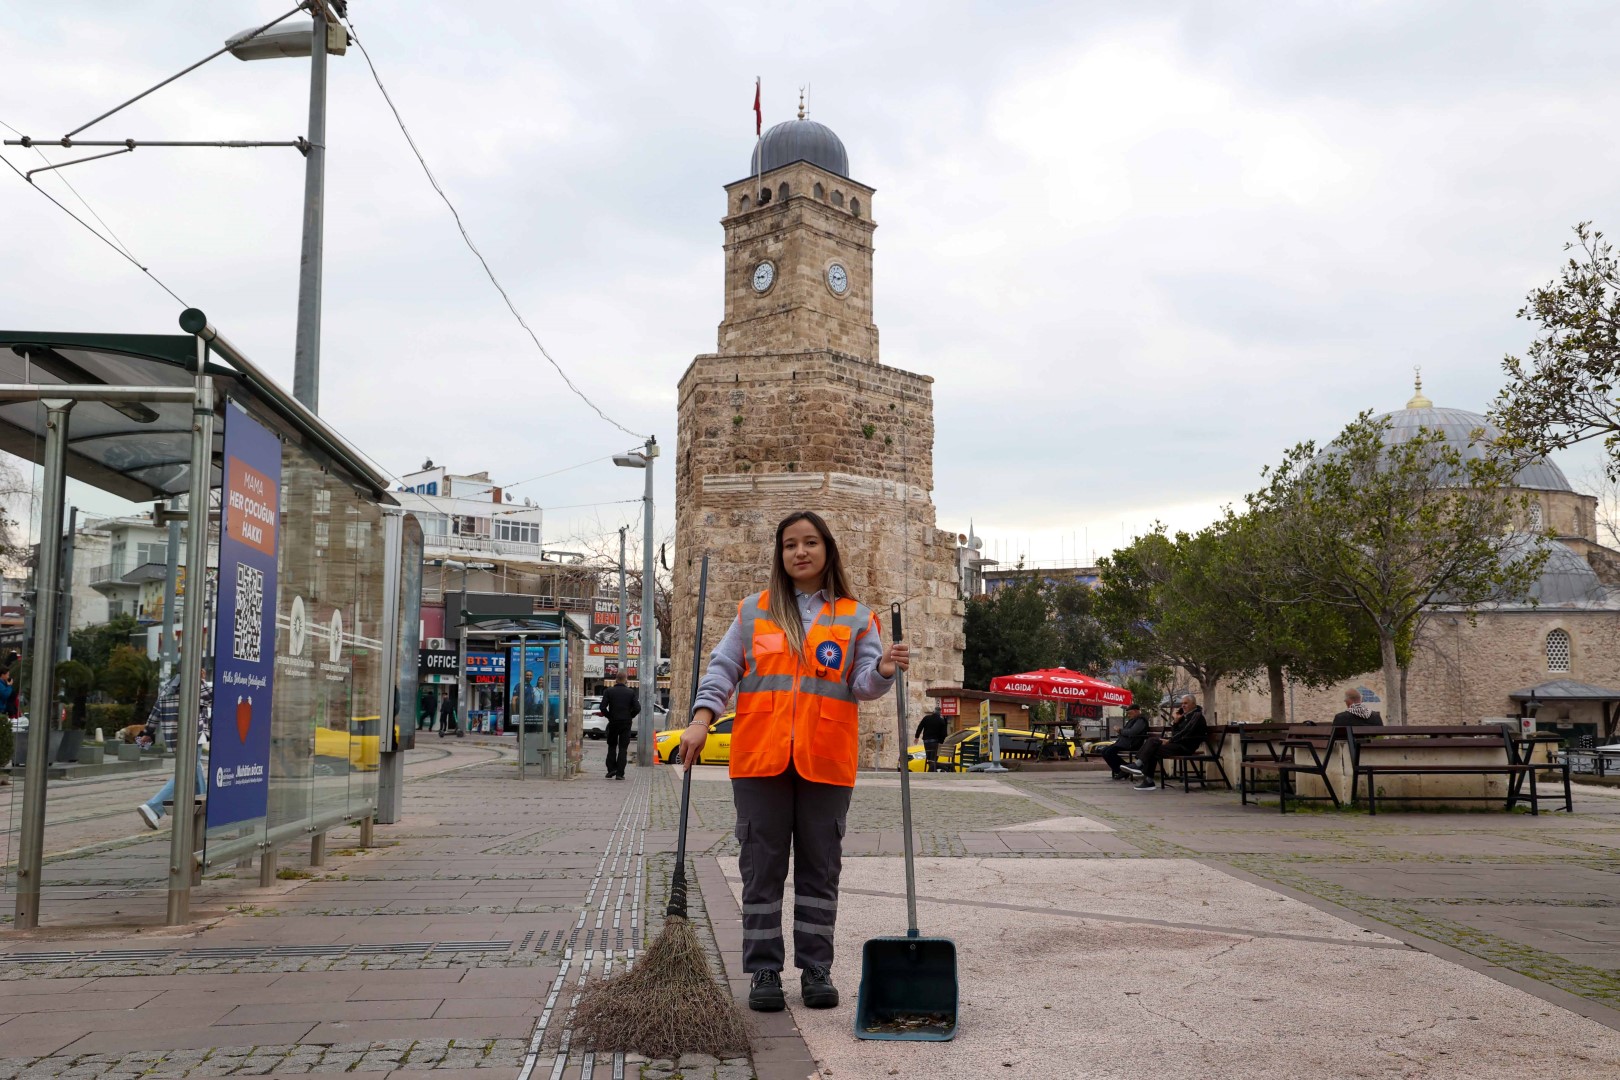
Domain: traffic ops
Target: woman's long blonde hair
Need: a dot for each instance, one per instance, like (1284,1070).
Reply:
(784,605)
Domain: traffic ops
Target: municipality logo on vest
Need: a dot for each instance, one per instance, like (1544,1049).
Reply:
(828,654)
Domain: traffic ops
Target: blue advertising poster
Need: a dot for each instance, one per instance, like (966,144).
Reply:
(244,628)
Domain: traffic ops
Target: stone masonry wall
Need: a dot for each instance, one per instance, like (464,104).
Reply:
(763,436)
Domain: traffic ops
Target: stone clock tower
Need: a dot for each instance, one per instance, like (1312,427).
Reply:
(794,412)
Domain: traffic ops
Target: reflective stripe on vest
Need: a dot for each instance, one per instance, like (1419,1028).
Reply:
(798,707)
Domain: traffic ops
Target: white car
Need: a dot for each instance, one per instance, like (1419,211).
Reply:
(595,721)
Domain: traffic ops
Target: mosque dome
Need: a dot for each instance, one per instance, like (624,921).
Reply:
(800,140)
(1458,426)
(1566,578)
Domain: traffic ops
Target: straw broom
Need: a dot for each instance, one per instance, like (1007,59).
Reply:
(669,1002)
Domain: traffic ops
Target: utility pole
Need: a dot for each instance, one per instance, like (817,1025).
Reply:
(647,665)
(307,347)
(171,593)
(624,610)
(65,619)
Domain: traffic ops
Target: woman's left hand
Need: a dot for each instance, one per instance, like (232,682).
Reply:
(897,655)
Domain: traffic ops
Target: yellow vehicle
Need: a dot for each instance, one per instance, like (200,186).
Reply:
(359,744)
(965,748)
(717,751)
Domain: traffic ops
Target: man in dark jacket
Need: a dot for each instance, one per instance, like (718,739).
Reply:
(1131,737)
(931,729)
(1186,737)
(620,706)
(1356,713)
(447,714)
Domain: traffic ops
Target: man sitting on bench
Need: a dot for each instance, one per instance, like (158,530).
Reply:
(1130,740)
(1186,737)
(1357,714)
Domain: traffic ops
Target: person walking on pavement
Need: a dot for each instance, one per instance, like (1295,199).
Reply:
(620,706)
(447,714)
(1130,739)
(800,655)
(164,721)
(931,729)
(1185,737)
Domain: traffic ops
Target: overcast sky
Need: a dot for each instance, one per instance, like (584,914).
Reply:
(1142,248)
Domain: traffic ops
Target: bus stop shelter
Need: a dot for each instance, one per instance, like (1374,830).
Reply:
(300,635)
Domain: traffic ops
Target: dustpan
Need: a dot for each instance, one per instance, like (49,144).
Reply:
(908,983)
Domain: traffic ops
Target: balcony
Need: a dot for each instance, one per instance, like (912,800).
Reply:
(438,543)
(110,574)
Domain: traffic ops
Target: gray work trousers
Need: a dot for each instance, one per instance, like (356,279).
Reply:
(776,814)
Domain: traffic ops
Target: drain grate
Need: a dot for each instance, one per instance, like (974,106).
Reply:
(134,954)
(472,946)
(42,957)
(397,947)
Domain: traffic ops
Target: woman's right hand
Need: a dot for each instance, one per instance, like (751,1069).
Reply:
(695,736)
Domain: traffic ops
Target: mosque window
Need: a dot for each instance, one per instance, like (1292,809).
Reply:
(1535,517)
(782,192)
(855,207)
(1558,650)
(745,204)
(838,198)
(821,192)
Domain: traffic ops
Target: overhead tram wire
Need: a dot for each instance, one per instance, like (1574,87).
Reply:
(124,254)
(493,280)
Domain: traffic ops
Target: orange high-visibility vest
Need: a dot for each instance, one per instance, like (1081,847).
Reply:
(798,707)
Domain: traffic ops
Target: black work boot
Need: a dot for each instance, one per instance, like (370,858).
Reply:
(766,993)
(815,985)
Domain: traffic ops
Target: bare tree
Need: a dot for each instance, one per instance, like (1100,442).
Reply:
(1606,489)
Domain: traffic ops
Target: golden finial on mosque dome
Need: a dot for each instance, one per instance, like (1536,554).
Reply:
(1418,400)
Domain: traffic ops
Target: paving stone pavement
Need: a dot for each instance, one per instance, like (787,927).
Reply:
(355,967)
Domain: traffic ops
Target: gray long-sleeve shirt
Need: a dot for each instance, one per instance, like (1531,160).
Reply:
(727,660)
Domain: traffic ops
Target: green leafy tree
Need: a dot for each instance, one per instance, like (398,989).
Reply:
(1081,642)
(1293,636)
(1172,602)
(93,645)
(131,679)
(1566,389)
(1393,529)
(74,681)
(1008,632)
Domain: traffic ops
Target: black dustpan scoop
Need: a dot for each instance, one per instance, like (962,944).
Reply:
(908,984)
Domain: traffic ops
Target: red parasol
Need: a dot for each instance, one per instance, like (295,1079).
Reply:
(1061,684)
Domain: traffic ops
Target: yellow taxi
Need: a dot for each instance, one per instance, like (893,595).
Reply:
(717,751)
(962,749)
(360,745)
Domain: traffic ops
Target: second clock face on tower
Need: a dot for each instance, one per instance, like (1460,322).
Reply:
(764,276)
(837,279)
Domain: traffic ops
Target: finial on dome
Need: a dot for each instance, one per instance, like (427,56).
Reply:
(801,103)
(1418,400)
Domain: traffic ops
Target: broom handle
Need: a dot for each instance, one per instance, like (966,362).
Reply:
(905,780)
(677,883)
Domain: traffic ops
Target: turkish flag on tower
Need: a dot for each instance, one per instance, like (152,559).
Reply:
(759,119)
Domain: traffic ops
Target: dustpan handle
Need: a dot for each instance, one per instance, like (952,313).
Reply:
(905,779)
(677,881)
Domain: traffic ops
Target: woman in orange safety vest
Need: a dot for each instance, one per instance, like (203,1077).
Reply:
(800,656)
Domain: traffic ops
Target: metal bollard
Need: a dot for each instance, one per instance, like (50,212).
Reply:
(366,839)
(317,849)
(267,868)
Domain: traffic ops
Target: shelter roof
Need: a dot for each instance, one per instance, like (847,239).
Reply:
(141,450)
(1565,690)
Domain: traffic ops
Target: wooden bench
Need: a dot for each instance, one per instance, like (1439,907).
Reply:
(1187,767)
(1553,763)
(1492,740)
(1285,751)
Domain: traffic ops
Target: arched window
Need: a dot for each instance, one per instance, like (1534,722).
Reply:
(838,198)
(821,192)
(855,207)
(782,192)
(764,196)
(1557,650)
(745,204)
(1535,516)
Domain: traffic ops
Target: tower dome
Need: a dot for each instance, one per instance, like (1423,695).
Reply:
(800,140)
(1458,427)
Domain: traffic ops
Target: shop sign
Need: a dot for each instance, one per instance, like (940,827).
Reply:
(436,661)
(949,706)
(483,663)
(245,631)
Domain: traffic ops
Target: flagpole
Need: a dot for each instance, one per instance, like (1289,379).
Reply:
(759,142)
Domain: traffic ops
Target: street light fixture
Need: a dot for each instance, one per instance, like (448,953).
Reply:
(275,44)
(647,665)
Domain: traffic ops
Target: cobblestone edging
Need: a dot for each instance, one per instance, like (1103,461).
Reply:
(408,1054)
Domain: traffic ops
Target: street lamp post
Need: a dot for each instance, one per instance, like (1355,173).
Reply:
(647,664)
(461,645)
(297,41)
(624,604)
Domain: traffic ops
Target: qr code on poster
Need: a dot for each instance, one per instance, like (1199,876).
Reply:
(249,612)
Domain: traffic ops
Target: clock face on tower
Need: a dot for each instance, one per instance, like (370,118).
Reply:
(837,279)
(764,275)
